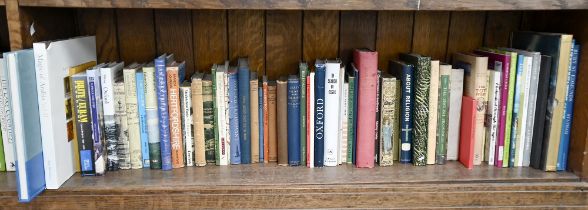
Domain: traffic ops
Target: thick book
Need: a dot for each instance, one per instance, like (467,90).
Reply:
(174,76)
(319,113)
(366,62)
(197,91)
(272,121)
(6,123)
(404,72)
(51,58)
(96,114)
(151,112)
(254,117)
(443,113)
(108,74)
(123,151)
(187,122)
(331,112)
(130,81)
(282,121)
(244,110)
(453,129)
(564,145)
(422,73)
(433,113)
(260,124)
(351,80)
(468,131)
(538,142)
(558,46)
(310,120)
(475,86)
(492,116)
(234,116)
(22,99)
(294,137)
(83,123)
(208,119)
(222,144)
(388,121)
(163,109)
(303,73)
(142,114)
(265,120)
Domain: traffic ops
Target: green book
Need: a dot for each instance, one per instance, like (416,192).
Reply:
(303,67)
(509,106)
(350,117)
(208,117)
(2,160)
(443,114)
(215,113)
(421,105)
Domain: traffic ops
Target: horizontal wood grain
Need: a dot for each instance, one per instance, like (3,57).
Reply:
(502,4)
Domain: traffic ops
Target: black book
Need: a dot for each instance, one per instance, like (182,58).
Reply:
(538,147)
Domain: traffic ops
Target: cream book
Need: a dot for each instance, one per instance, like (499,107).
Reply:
(133,115)
(433,102)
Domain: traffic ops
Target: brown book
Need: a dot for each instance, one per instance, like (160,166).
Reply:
(198,120)
(282,118)
(175,116)
(272,122)
(265,121)
(254,110)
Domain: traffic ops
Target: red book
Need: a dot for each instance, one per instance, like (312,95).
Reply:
(467,134)
(366,62)
(308,126)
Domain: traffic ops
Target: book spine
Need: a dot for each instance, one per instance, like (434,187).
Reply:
(3,116)
(564,144)
(123,144)
(282,118)
(340,138)
(481,93)
(350,119)
(377,126)
(319,116)
(303,73)
(294,136)
(343,120)
(208,113)
(443,117)
(514,136)
(433,113)
(396,119)
(134,133)
(492,116)
(260,124)
(226,121)
(366,108)
(83,124)
(151,111)
(355,106)
(187,125)
(198,122)
(221,151)
(234,118)
(516,63)
(144,135)
(265,123)
(175,117)
(467,132)
(456,84)
(272,123)
(504,67)
(421,111)
(387,106)
(523,111)
(245,118)
(531,109)
(331,113)
(162,110)
(310,120)
(254,119)
(110,127)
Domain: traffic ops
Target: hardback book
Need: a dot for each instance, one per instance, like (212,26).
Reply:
(539,143)
(208,111)
(142,113)
(433,113)
(453,129)
(404,72)
(293,118)
(22,100)
(366,62)
(303,73)
(130,82)
(350,114)
(388,120)
(121,122)
(226,127)
(377,134)
(175,115)
(244,110)
(187,122)
(260,124)
(443,113)
(523,110)
(331,112)
(355,72)
(310,118)
(343,120)
(222,145)
(265,120)
(282,121)
(515,133)
(475,86)
(151,112)
(6,120)
(558,46)
(341,147)
(562,157)
(161,63)
(422,73)
(96,114)
(234,115)
(83,123)
(492,115)
(108,74)
(51,58)
(254,117)
(467,131)
(272,115)
(196,89)
(319,113)
(514,64)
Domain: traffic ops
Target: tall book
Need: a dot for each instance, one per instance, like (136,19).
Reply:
(355,106)
(6,123)
(222,150)
(538,142)
(244,110)
(83,124)
(310,119)
(187,122)
(388,121)
(108,74)
(422,73)
(254,116)
(208,119)
(514,134)
(234,116)
(515,58)
(142,113)
(562,157)
(404,72)
(433,112)
(443,113)
(51,58)
(303,73)
(294,137)
(260,124)
(492,116)
(197,92)
(265,120)
(163,109)
(475,86)
(523,110)
(282,121)
(468,131)
(343,121)
(174,75)
(377,131)
(456,84)
(319,113)
(366,62)
(151,112)
(341,147)
(558,46)
(96,114)
(121,122)
(226,128)
(331,125)
(130,81)
(272,121)
(350,114)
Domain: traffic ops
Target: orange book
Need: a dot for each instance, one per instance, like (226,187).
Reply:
(265,122)
(175,116)
(467,136)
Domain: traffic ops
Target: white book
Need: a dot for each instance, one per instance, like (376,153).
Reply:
(52,60)
(492,115)
(340,139)
(343,120)
(311,120)
(132,110)
(523,112)
(455,95)
(108,75)
(6,119)
(187,122)
(433,102)
(220,102)
(332,101)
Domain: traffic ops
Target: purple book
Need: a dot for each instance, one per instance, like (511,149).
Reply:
(499,62)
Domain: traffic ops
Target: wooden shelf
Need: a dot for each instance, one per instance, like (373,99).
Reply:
(320,5)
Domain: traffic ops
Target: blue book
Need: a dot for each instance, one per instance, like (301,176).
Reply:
(95,99)
(319,113)
(515,110)
(244,106)
(234,116)
(404,71)
(293,120)
(564,144)
(162,110)
(140,80)
(260,99)
(22,85)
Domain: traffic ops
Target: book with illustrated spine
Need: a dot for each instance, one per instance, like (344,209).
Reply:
(343,120)
(222,144)
(132,109)
(96,114)
(186,108)
(197,87)
(388,121)
(163,109)
(208,119)
(151,112)
(82,121)
(120,115)
(108,75)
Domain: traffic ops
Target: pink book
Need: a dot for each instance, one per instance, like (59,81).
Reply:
(499,62)
(467,134)
(366,62)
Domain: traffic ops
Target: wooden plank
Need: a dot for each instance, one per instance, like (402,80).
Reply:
(136,35)
(320,39)
(283,49)
(210,38)
(499,26)
(247,37)
(394,36)
(430,34)
(4,38)
(501,4)
(173,32)
(358,30)
(100,23)
(466,32)
(15,25)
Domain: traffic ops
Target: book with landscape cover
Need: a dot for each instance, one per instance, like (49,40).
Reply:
(175,115)
(467,132)
(254,116)
(120,115)
(244,110)
(142,113)
(197,92)
(272,121)
(83,124)
(404,72)
(294,121)
(187,122)
(443,113)
(538,142)
(282,121)
(319,113)
(108,74)
(208,119)
(132,109)
(234,115)
(151,112)
(332,101)
(453,129)
(433,112)
(161,63)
